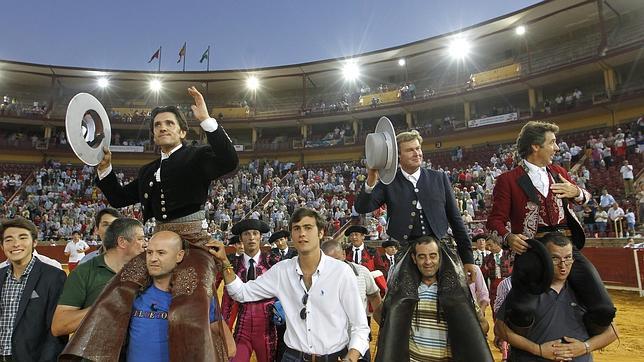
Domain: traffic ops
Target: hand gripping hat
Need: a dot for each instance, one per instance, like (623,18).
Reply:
(80,127)
(533,271)
(381,150)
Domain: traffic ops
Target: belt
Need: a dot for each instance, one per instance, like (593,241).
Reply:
(305,357)
(543,230)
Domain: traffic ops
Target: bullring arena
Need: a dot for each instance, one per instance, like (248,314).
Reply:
(300,131)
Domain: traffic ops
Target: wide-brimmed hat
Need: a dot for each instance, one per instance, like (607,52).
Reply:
(278,235)
(381,150)
(356,229)
(250,224)
(533,271)
(479,236)
(234,240)
(81,130)
(390,242)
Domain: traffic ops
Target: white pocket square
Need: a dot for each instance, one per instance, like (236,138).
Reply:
(34,295)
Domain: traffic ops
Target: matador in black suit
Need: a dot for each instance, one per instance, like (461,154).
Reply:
(420,202)
(173,190)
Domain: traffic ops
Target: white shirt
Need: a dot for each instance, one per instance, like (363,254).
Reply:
(208,125)
(539,177)
(413,178)
(541,180)
(627,172)
(333,306)
(366,284)
(75,250)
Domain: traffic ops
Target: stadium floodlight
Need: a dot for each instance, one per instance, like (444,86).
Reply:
(459,48)
(155,85)
(103,82)
(252,83)
(520,30)
(402,62)
(350,70)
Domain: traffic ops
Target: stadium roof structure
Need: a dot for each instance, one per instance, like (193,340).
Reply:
(543,20)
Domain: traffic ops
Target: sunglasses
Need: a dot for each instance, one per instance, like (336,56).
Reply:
(305,299)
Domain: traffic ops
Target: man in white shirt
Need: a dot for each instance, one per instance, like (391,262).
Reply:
(319,295)
(615,212)
(75,250)
(627,174)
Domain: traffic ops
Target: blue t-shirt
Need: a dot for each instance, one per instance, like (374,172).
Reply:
(148,333)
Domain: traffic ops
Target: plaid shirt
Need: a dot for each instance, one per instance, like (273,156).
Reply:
(10,300)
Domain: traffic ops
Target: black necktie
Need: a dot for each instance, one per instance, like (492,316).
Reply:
(251,270)
(356,252)
(391,259)
(283,252)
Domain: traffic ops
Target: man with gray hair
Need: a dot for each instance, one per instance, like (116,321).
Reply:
(123,240)
(420,202)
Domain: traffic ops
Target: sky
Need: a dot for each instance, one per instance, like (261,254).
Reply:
(242,34)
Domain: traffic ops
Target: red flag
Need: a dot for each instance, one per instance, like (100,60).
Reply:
(155,55)
(182,52)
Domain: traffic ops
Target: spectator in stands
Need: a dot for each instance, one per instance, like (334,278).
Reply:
(123,240)
(575,152)
(629,216)
(615,213)
(607,156)
(606,200)
(30,289)
(601,220)
(627,175)
(589,219)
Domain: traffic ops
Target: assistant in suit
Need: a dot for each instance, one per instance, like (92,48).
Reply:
(420,202)
(30,339)
(281,249)
(173,189)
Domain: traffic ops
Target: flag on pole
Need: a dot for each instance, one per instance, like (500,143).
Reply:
(155,55)
(205,55)
(182,53)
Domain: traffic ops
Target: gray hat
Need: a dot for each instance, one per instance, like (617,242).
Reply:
(74,128)
(381,150)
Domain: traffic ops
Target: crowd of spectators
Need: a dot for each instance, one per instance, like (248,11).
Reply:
(62,199)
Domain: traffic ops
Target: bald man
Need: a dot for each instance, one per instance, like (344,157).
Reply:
(148,331)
